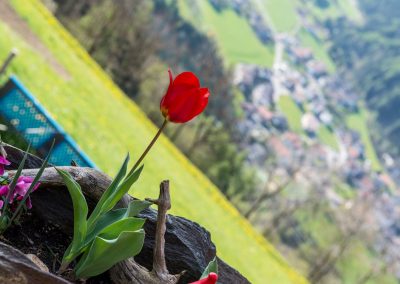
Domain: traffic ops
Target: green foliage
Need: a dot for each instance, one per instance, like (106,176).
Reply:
(211,267)
(111,246)
(369,55)
(107,236)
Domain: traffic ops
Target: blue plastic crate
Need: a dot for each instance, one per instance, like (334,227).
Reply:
(28,117)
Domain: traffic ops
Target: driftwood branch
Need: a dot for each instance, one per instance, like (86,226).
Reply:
(164,204)
(159,265)
(92,182)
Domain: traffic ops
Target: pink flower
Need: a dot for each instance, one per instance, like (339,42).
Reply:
(210,279)
(3,162)
(28,203)
(4,190)
(1,204)
(23,184)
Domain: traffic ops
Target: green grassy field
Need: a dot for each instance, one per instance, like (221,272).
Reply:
(292,113)
(318,48)
(233,34)
(358,122)
(326,136)
(106,124)
(282,14)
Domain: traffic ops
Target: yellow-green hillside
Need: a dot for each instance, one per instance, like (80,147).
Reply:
(106,124)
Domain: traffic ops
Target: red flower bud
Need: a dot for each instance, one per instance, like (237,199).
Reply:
(184,98)
(210,279)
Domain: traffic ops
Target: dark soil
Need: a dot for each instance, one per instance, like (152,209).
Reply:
(45,240)
(33,236)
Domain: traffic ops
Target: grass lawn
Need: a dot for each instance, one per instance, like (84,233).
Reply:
(318,48)
(236,39)
(358,122)
(106,124)
(326,136)
(345,190)
(292,112)
(281,13)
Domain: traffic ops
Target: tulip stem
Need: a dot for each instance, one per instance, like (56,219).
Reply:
(149,147)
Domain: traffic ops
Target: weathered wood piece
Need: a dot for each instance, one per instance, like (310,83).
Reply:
(15,267)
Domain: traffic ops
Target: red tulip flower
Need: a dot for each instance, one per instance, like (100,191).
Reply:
(210,279)
(183,101)
(184,98)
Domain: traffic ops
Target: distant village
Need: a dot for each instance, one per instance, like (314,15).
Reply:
(323,99)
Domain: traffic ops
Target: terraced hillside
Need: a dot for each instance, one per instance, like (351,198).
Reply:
(106,124)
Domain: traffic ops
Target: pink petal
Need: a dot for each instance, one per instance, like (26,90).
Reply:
(36,186)
(4,190)
(25,179)
(4,161)
(21,188)
(28,203)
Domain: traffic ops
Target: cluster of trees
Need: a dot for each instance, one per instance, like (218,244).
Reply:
(136,41)
(369,54)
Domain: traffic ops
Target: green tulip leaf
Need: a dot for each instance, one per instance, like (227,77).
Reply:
(80,215)
(137,206)
(134,208)
(124,225)
(121,190)
(109,235)
(211,267)
(107,193)
(104,253)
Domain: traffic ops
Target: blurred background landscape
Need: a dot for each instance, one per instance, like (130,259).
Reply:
(301,134)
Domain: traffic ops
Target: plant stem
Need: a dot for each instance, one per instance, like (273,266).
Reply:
(148,147)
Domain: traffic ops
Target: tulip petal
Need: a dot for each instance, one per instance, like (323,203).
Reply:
(210,279)
(190,106)
(187,79)
(204,93)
